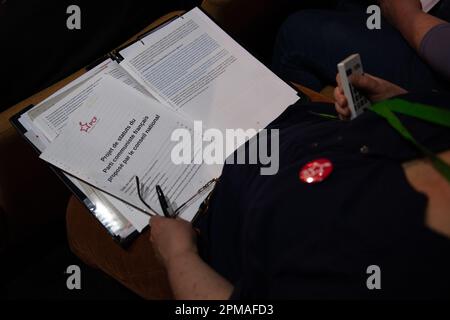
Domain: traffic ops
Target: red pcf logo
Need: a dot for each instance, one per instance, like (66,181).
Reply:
(87,126)
(316,171)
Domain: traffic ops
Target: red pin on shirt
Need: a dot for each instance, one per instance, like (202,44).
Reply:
(316,171)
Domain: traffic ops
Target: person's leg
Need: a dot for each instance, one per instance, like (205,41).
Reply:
(311,43)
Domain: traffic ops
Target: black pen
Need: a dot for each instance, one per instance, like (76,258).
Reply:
(163,202)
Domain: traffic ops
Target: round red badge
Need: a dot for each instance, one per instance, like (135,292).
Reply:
(316,171)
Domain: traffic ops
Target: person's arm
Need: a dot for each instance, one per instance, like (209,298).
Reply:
(435,49)
(191,279)
(174,240)
(427,34)
(408,18)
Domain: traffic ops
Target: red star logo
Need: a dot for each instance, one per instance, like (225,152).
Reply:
(84,127)
(316,171)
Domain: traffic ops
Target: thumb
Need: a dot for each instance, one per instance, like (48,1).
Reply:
(365,83)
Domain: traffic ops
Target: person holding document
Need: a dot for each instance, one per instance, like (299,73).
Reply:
(376,204)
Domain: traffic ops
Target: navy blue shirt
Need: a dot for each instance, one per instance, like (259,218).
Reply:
(277,237)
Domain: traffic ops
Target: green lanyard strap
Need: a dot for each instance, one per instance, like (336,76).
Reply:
(427,113)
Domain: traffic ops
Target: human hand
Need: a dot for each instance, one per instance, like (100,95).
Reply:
(398,12)
(374,88)
(172,238)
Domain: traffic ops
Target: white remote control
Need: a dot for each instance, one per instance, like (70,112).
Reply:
(356,101)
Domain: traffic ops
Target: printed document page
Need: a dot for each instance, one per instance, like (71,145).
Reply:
(196,68)
(53,118)
(119,134)
(67,89)
(59,106)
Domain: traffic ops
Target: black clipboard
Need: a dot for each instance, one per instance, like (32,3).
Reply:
(79,194)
